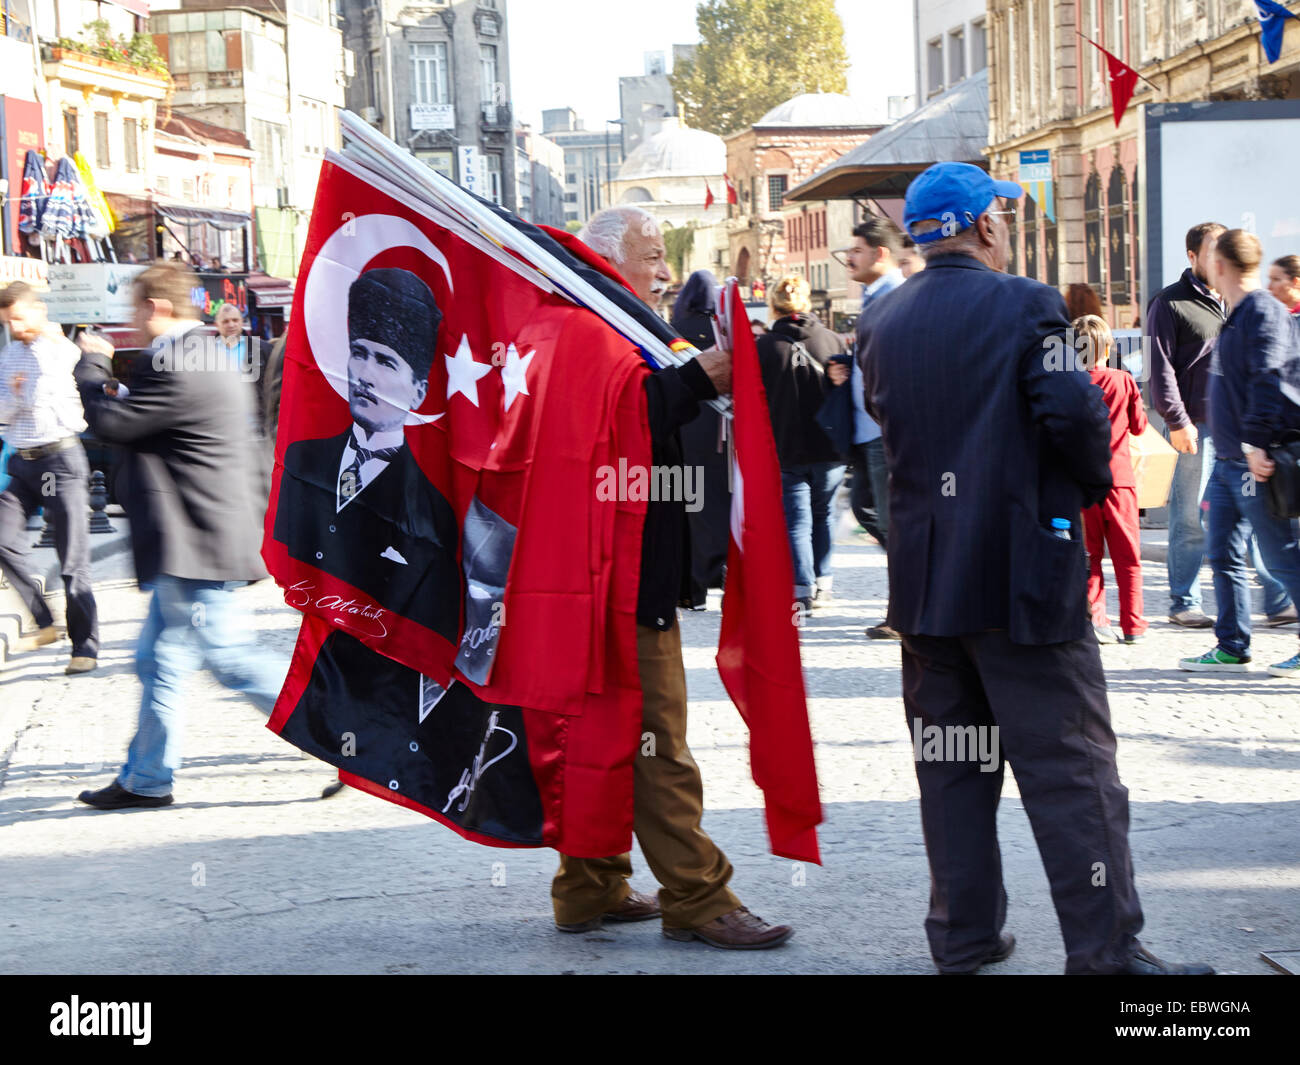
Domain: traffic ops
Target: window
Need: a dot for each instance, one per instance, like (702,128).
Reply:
(216,45)
(776,186)
(1116,39)
(71,139)
(429,81)
(131,144)
(1094,31)
(570,197)
(440,159)
(268,143)
(178,53)
(1051,50)
(1012,84)
(934,66)
(102,157)
(1137,32)
(956,56)
(313,134)
(488,74)
(979,46)
(492,164)
(1031,68)
(312,9)
(376,71)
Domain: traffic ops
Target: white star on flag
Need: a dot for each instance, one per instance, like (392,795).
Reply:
(463,372)
(515,374)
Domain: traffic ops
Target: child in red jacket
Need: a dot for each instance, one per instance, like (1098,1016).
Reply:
(1113,523)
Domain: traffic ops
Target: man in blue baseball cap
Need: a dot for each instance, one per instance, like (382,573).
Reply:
(995,442)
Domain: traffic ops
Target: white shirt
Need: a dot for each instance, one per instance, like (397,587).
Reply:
(371,468)
(48,407)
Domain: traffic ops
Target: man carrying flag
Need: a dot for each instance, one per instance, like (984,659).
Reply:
(668,793)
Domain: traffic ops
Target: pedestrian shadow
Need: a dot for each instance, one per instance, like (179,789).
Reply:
(58,810)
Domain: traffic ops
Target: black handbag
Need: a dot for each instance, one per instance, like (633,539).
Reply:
(1284,484)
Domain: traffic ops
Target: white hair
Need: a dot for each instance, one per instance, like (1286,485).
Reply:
(606,231)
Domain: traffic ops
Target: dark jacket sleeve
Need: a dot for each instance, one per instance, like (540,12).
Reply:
(1165,397)
(673,398)
(1267,355)
(1065,404)
(150,408)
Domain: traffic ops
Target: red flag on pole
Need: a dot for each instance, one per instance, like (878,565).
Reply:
(708,196)
(758,647)
(731,190)
(1123,80)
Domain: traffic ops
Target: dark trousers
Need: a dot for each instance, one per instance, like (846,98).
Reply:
(59,482)
(877,470)
(1049,705)
(861,499)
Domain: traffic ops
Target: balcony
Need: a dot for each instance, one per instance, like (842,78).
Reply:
(496,116)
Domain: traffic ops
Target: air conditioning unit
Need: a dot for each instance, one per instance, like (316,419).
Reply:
(282,196)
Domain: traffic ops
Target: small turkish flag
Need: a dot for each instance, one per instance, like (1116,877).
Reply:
(1123,80)
(731,190)
(708,196)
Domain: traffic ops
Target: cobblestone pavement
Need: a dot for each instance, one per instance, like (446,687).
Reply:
(251,872)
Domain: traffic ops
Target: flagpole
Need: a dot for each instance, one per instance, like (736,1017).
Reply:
(1117,59)
(501,233)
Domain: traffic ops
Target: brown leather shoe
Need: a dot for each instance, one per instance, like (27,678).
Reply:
(80,664)
(638,906)
(39,638)
(737,930)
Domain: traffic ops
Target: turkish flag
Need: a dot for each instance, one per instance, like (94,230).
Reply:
(708,196)
(758,646)
(469,649)
(1123,80)
(731,190)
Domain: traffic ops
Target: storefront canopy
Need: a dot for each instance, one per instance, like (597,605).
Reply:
(953,127)
(193,216)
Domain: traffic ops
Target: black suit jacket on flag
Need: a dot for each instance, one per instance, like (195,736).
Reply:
(395,540)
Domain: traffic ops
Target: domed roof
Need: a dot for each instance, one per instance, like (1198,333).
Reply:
(675,151)
(818,109)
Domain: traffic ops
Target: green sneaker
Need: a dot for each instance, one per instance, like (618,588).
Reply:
(1289,668)
(1216,661)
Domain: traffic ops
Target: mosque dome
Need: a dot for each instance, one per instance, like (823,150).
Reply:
(675,151)
(818,109)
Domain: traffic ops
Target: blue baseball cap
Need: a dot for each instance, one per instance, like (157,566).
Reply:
(952,193)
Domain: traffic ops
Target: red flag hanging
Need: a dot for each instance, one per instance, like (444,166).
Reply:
(731,190)
(1123,80)
(708,196)
(758,647)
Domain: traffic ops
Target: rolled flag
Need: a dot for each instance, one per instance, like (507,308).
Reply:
(59,219)
(1272,23)
(758,645)
(93,193)
(35,194)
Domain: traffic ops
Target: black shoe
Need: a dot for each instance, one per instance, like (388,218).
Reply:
(1144,963)
(882,632)
(1006,944)
(332,788)
(116,797)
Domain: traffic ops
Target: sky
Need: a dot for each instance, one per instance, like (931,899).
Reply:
(602,40)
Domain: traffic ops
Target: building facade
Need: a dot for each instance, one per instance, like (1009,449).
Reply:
(591,159)
(435,77)
(1049,104)
(540,170)
(783,148)
(951,41)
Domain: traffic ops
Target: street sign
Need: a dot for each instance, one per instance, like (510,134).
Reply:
(433,116)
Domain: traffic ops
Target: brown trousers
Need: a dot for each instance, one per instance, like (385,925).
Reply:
(668,802)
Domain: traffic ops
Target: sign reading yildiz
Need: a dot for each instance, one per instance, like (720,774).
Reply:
(91,292)
(433,116)
(1035,177)
(471,176)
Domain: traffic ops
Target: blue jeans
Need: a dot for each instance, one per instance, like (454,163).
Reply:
(808,493)
(1237,503)
(1187,533)
(190,624)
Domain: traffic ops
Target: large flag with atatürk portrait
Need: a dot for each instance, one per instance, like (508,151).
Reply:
(449,408)
(469,648)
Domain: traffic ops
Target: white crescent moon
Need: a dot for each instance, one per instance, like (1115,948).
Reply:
(339,262)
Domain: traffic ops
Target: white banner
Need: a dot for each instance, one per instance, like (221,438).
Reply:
(91,292)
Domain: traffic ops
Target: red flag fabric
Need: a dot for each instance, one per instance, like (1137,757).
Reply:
(731,190)
(470,644)
(758,646)
(708,196)
(1123,80)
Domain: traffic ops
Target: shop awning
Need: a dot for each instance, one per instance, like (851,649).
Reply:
(269,293)
(136,7)
(216,217)
(953,127)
